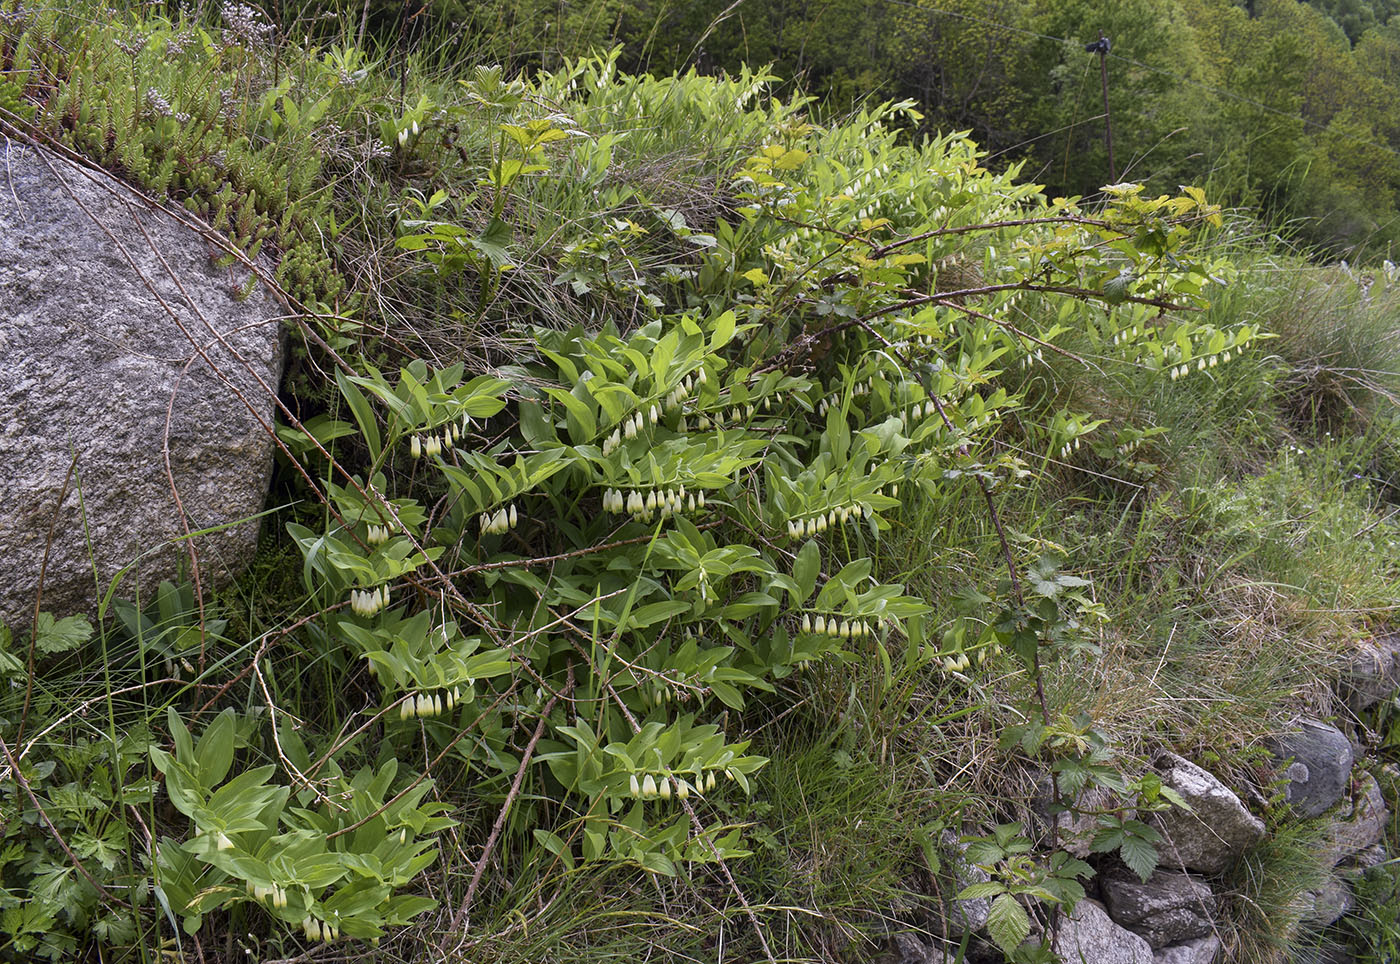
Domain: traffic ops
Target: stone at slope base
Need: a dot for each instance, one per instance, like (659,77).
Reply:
(1168,908)
(1089,936)
(1361,824)
(1329,903)
(1075,828)
(1203,950)
(1320,770)
(1372,672)
(1216,831)
(908,949)
(958,917)
(94,361)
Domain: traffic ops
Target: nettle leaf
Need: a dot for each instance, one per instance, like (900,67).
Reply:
(1008,924)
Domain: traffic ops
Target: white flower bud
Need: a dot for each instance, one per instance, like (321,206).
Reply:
(709,781)
(437,705)
(654,415)
(690,502)
(665,789)
(682,789)
(633,787)
(806,622)
(700,498)
(513,517)
(648,787)
(424,706)
(820,625)
(651,500)
(415,447)
(222,842)
(403,139)
(406,708)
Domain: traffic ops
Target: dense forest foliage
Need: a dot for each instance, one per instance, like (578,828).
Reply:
(1272,104)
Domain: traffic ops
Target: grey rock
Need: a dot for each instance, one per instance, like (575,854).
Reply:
(1168,908)
(958,917)
(1361,823)
(1366,859)
(1203,950)
(1329,903)
(1371,672)
(1320,769)
(1075,828)
(1089,936)
(1216,831)
(907,949)
(94,361)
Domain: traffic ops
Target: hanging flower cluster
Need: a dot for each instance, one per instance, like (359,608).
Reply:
(317,931)
(377,535)
(959,662)
(1128,334)
(831,401)
(434,443)
(667,786)
(665,695)
(425,705)
(367,602)
(494,523)
(669,501)
(1206,361)
(274,895)
(844,628)
(813,525)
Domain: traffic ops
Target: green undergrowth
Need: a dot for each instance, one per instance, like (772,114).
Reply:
(623,390)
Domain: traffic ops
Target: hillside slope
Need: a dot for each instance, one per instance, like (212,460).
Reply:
(690,522)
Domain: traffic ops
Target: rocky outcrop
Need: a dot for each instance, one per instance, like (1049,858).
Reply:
(1167,908)
(1319,766)
(1329,902)
(1214,832)
(958,917)
(1361,823)
(1089,936)
(126,347)
(1371,673)
(908,949)
(1203,950)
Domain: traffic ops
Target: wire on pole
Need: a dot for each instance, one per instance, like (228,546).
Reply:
(1101,47)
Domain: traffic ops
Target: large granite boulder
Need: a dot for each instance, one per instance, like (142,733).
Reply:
(1319,766)
(1214,832)
(113,314)
(1167,909)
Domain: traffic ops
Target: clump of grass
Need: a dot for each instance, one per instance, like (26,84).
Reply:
(1268,895)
